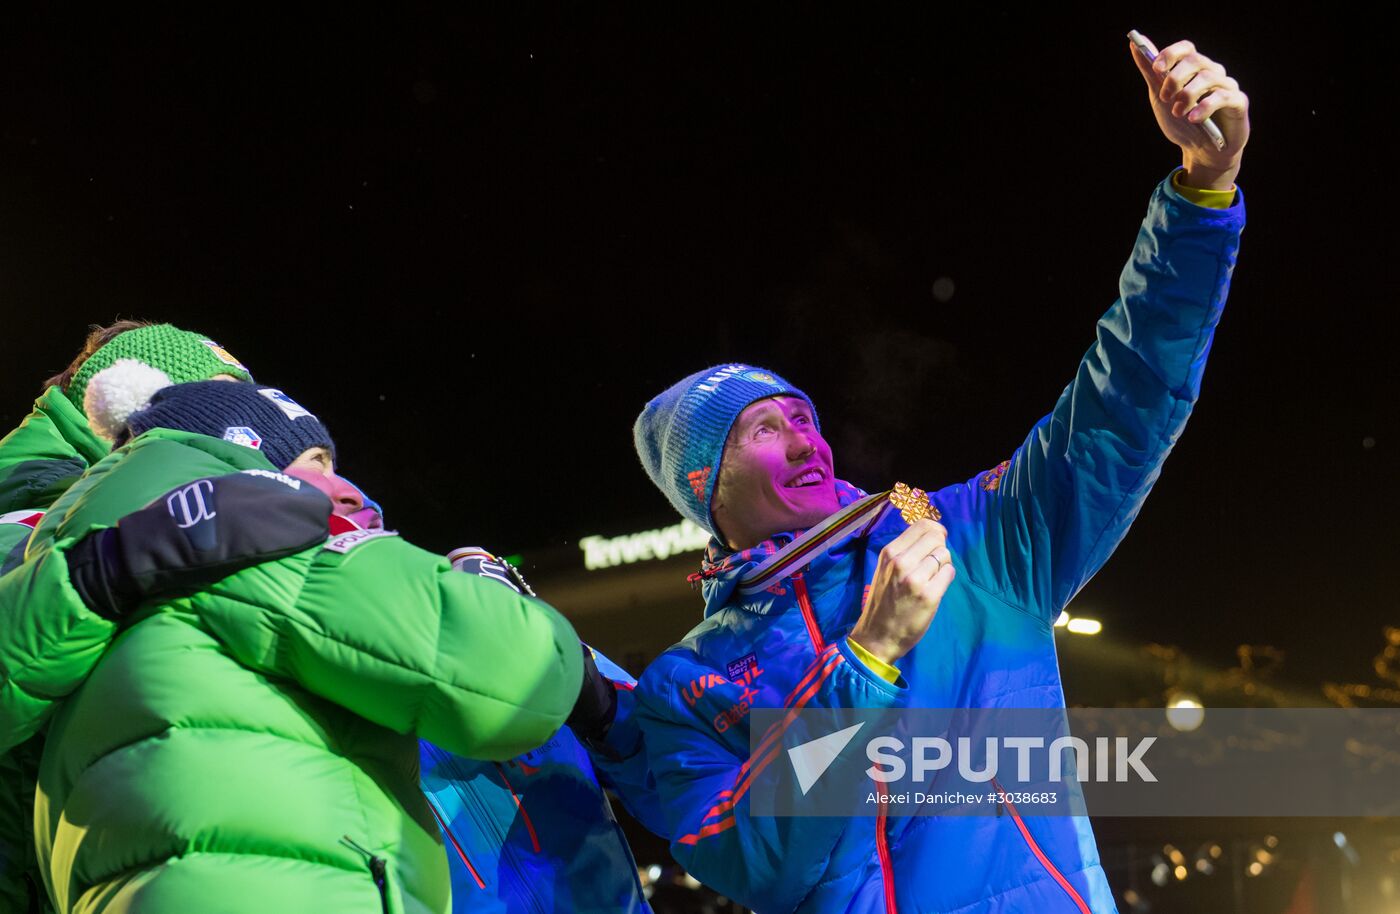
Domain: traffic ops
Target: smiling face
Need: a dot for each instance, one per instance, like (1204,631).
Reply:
(776,474)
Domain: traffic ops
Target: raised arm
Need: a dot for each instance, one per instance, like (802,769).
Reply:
(1059,506)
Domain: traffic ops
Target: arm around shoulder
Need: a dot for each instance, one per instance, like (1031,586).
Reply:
(393,633)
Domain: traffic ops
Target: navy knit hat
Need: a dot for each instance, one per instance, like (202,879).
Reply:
(249,414)
(680,435)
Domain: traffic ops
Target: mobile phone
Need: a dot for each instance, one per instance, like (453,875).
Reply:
(1140,41)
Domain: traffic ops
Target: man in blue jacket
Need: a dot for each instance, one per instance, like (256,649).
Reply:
(856,612)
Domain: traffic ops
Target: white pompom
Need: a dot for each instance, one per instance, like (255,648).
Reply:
(119,390)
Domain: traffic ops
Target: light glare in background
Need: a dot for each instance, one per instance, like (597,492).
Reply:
(1185,711)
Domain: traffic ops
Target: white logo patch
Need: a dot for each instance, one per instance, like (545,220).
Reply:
(280,477)
(711,384)
(28,519)
(242,434)
(290,408)
(347,541)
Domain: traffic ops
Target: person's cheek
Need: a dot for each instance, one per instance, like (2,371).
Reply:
(313,478)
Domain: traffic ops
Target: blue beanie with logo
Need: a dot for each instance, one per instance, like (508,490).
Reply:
(262,418)
(681,433)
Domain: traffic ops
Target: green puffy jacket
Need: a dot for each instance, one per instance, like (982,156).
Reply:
(39,460)
(256,742)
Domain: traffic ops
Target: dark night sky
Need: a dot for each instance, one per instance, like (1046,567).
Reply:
(476,246)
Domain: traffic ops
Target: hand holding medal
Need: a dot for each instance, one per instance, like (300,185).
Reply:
(913,574)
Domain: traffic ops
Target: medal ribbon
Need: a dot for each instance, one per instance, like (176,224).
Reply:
(858,517)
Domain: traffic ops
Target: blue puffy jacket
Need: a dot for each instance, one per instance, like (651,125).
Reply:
(536,834)
(1025,537)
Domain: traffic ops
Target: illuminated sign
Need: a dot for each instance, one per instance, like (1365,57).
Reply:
(607,551)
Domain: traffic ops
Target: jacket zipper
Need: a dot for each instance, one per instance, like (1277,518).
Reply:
(808,615)
(1035,849)
(457,845)
(527,885)
(882,844)
(882,848)
(378,871)
(487,825)
(529,826)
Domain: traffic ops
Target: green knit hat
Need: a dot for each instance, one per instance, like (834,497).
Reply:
(183,356)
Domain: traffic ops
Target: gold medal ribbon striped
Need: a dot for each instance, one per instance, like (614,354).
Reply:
(911,503)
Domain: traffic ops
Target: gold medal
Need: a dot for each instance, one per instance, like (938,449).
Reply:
(912,503)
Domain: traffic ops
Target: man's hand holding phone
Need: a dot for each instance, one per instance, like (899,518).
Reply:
(1198,106)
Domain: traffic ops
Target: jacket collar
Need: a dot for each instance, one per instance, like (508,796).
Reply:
(46,453)
(71,425)
(721,569)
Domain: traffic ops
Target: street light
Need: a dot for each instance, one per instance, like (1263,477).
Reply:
(1185,711)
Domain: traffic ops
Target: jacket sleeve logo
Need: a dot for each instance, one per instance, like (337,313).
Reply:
(192,504)
(742,672)
(736,669)
(697,687)
(991,480)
